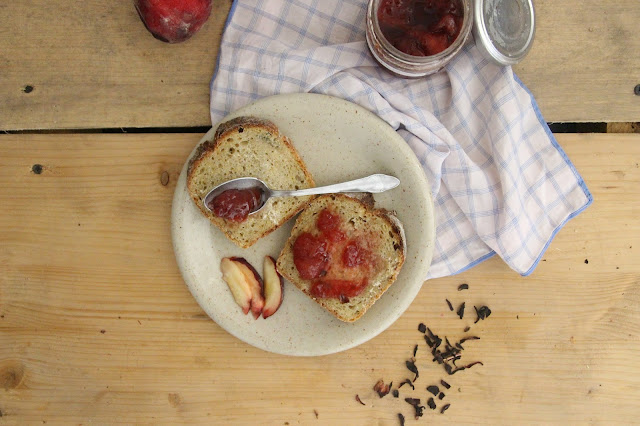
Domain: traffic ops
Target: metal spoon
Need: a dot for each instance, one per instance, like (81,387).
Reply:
(373,183)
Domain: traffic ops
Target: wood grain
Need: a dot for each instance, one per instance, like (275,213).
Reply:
(581,66)
(97,326)
(101,68)
(94,65)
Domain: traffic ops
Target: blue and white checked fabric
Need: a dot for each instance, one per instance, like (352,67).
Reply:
(501,182)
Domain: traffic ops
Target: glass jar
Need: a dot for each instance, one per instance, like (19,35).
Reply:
(503,31)
(406,65)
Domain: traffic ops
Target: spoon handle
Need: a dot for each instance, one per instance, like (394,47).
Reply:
(374,183)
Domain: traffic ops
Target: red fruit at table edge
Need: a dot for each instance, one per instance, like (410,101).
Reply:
(173,21)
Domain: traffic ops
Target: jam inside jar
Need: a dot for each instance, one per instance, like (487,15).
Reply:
(420,27)
(415,38)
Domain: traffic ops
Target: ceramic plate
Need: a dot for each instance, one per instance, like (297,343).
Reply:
(338,141)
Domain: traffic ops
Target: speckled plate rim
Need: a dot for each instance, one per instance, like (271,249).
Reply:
(338,140)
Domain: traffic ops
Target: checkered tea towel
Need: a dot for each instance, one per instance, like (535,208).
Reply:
(501,183)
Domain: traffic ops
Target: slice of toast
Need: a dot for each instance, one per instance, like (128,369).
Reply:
(378,232)
(249,147)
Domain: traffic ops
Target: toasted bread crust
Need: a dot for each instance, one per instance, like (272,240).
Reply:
(246,233)
(245,121)
(225,129)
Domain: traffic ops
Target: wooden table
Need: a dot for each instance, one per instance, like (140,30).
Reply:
(97,326)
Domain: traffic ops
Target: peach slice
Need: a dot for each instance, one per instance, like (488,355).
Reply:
(234,276)
(255,283)
(273,287)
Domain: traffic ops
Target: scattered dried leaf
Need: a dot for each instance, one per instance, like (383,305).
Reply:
(482,313)
(411,366)
(433,389)
(407,382)
(381,388)
(431,403)
(415,403)
(460,311)
(449,304)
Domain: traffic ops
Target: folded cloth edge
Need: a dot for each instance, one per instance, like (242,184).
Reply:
(569,163)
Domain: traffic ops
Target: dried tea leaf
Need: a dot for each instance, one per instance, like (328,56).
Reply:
(445,384)
(472,364)
(437,356)
(411,366)
(422,328)
(401,417)
(434,338)
(482,313)
(449,304)
(381,388)
(448,369)
(433,389)
(444,408)
(359,400)
(464,367)
(395,393)
(431,403)
(428,341)
(407,382)
(415,403)
(463,287)
(460,311)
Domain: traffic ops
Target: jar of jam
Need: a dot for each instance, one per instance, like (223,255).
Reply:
(415,38)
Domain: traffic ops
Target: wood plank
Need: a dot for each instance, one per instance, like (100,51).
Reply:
(96,324)
(102,69)
(580,67)
(105,70)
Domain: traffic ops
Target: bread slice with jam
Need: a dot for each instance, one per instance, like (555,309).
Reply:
(344,254)
(249,147)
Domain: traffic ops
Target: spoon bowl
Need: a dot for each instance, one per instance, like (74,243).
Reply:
(374,183)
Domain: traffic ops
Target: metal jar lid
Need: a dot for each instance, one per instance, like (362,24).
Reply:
(504,29)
